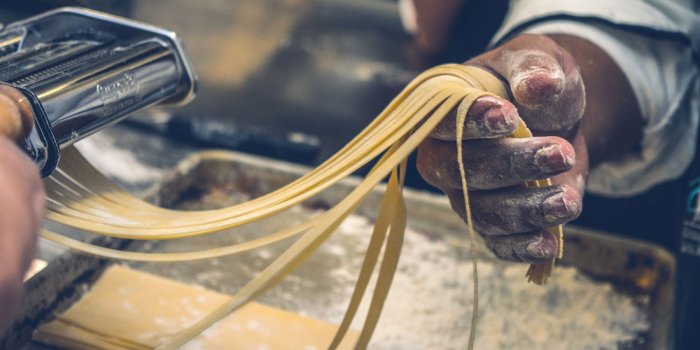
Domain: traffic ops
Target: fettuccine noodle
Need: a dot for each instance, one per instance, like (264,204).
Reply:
(79,196)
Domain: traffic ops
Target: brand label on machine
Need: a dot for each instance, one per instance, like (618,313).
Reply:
(118,93)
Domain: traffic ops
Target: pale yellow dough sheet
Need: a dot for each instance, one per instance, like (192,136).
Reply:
(129,309)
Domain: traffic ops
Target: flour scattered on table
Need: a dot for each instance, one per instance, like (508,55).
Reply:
(429,306)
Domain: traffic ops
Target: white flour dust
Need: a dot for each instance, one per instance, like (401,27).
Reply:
(429,306)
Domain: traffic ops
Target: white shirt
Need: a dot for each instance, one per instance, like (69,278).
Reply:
(657,46)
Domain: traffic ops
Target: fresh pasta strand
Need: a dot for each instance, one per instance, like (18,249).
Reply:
(79,196)
(461,117)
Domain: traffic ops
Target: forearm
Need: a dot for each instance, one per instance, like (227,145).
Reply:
(612,122)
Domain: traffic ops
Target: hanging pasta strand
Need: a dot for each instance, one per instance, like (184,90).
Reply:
(79,196)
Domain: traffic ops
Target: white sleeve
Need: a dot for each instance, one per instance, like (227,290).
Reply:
(664,79)
(661,69)
(672,18)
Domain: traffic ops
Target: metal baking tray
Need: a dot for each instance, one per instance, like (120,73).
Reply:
(640,271)
(637,272)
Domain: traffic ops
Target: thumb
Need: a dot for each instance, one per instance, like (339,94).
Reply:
(535,77)
(544,81)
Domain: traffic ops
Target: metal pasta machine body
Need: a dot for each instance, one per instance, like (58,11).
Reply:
(79,71)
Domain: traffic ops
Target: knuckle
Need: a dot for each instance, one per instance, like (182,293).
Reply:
(436,162)
(428,164)
(501,248)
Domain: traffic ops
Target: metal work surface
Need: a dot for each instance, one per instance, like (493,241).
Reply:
(607,289)
(610,290)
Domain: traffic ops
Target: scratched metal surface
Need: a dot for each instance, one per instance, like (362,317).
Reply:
(638,270)
(623,269)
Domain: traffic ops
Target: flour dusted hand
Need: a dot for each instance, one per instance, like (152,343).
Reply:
(548,94)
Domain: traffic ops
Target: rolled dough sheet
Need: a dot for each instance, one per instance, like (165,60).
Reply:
(129,309)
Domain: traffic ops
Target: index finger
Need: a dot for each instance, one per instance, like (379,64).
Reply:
(488,117)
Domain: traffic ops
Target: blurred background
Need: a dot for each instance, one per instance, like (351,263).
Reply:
(290,79)
(287,79)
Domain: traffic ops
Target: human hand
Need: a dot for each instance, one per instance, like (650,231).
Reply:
(21,209)
(548,94)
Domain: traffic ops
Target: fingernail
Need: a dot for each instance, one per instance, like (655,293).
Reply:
(541,249)
(559,206)
(532,87)
(551,158)
(500,119)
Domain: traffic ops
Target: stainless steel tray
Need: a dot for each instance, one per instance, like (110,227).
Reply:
(641,271)
(636,271)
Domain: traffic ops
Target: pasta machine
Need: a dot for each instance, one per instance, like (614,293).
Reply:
(80,71)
